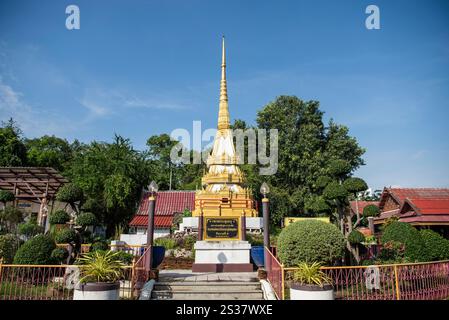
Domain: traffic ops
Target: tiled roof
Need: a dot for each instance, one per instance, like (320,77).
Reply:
(159,221)
(361,205)
(168,202)
(427,219)
(400,194)
(426,206)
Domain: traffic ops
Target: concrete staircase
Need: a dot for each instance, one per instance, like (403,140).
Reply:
(234,289)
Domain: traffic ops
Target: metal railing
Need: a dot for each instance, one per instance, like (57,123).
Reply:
(51,282)
(135,250)
(415,281)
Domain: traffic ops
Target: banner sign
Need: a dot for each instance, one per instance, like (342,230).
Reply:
(290,220)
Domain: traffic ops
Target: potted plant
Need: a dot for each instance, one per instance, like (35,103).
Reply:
(310,283)
(100,273)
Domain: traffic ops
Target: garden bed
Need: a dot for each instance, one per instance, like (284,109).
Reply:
(171,263)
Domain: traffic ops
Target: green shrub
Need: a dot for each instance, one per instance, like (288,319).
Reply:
(371,210)
(86,219)
(59,254)
(356,237)
(99,245)
(255,239)
(310,241)
(59,217)
(189,241)
(69,193)
(125,257)
(437,247)
(30,229)
(6,196)
(8,247)
(66,235)
(37,250)
(409,236)
(167,243)
(392,252)
(100,266)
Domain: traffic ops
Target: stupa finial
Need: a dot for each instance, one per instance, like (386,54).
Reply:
(223,113)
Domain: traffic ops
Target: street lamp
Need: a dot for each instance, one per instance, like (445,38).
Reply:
(152,188)
(265,189)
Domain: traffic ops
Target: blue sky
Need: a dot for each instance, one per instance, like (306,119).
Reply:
(139,68)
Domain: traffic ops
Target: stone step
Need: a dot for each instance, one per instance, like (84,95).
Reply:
(209,287)
(206,295)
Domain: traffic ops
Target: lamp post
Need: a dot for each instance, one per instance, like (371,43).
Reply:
(152,188)
(265,189)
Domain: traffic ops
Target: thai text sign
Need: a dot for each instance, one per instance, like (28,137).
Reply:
(218,228)
(290,220)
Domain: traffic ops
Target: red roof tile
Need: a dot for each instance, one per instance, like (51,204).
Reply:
(400,194)
(159,221)
(426,206)
(168,202)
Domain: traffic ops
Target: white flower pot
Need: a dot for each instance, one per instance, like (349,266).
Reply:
(97,291)
(311,292)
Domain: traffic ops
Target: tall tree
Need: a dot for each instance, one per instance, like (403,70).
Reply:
(111,176)
(12,149)
(306,151)
(48,151)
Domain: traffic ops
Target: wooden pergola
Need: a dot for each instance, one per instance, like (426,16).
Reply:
(35,184)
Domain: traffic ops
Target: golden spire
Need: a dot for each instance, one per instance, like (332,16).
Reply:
(223,113)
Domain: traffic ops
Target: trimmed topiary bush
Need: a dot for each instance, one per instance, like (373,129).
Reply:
(437,247)
(354,185)
(356,237)
(30,229)
(66,235)
(59,217)
(409,236)
(69,193)
(8,247)
(310,241)
(335,191)
(371,210)
(99,245)
(37,250)
(86,219)
(59,254)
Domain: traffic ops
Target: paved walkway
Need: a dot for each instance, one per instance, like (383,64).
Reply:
(188,275)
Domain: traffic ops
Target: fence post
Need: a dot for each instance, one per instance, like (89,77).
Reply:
(396,280)
(283,282)
(1,262)
(133,276)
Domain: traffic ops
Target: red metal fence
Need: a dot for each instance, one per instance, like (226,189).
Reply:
(418,281)
(50,282)
(275,273)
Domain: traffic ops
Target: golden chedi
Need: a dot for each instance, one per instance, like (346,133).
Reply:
(223,193)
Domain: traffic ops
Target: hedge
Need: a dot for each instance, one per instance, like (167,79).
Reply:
(437,247)
(310,241)
(8,247)
(36,251)
(406,234)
